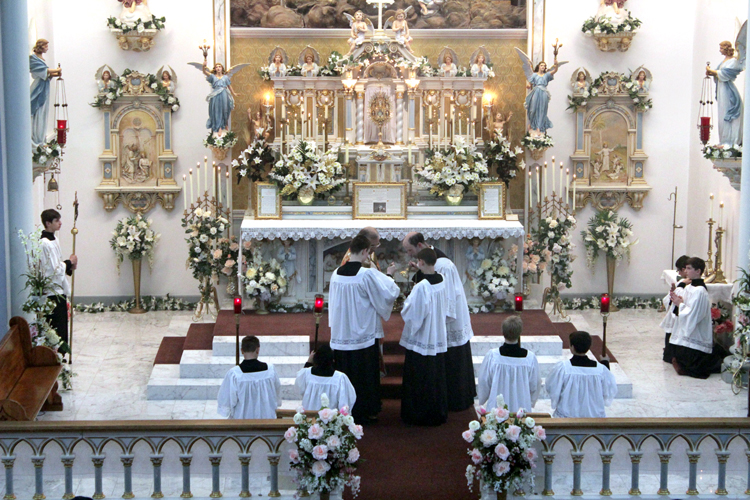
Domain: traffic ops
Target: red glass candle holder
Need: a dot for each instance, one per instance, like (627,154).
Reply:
(705,129)
(604,304)
(318,307)
(238,305)
(519,302)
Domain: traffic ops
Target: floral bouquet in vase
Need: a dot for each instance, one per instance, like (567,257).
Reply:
(325,455)
(503,159)
(456,169)
(305,174)
(495,280)
(265,280)
(133,238)
(251,163)
(553,238)
(501,449)
(203,231)
(609,233)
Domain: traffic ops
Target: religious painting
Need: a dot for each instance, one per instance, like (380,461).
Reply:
(609,148)
(425,14)
(138,148)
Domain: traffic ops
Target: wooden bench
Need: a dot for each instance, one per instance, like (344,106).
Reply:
(28,375)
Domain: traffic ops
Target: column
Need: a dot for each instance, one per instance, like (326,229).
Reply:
(635,462)
(215,459)
(549,457)
(664,457)
(606,466)
(400,117)
(744,235)
(693,457)
(273,459)
(38,461)
(360,117)
(16,189)
(8,463)
(127,465)
(67,461)
(747,454)
(245,465)
(577,457)
(722,456)
(98,461)
(156,462)
(185,460)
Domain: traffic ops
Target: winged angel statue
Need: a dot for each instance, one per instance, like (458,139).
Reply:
(359,24)
(727,95)
(397,22)
(537,100)
(221,98)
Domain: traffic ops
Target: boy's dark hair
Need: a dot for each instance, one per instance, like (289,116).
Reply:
(323,357)
(681,262)
(415,239)
(49,215)
(581,341)
(696,263)
(250,344)
(359,243)
(428,256)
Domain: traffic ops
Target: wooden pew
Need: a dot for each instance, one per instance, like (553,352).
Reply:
(28,375)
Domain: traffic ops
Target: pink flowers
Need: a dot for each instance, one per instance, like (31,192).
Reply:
(294,456)
(344,411)
(715,313)
(488,437)
(320,452)
(291,435)
(513,432)
(520,413)
(530,454)
(320,468)
(326,414)
(333,442)
(501,468)
(540,433)
(315,432)
(476,456)
(353,455)
(502,451)
(357,431)
(217,253)
(468,435)
(501,414)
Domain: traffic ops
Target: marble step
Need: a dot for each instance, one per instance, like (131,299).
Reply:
(270,345)
(547,345)
(203,364)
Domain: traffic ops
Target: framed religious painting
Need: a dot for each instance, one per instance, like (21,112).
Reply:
(267,201)
(491,200)
(385,200)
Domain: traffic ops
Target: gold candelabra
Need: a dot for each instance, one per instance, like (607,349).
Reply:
(710,261)
(718,272)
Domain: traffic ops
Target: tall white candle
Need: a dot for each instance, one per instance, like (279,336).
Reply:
(346,151)
(574,191)
(213,180)
(218,183)
(562,177)
(191,187)
(552,186)
(408,153)
(711,216)
(538,185)
(229,188)
(198,179)
(185,194)
(229,194)
(544,183)
(567,184)
(528,187)
(205,171)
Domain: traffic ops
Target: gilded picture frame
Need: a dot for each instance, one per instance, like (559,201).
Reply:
(375,200)
(492,200)
(261,206)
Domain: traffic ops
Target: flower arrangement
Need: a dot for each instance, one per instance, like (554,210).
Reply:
(44,153)
(109,96)
(609,233)
(536,143)
(741,301)
(252,162)
(622,302)
(39,286)
(503,159)
(155,23)
(579,100)
(305,168)
(721,318)
(459,164)
(640,101)
(592,26)
(265,280)
(335,65)
(325,455)
(203,232)
(133,238)
(495,278)
(265,73)
(501,448)
(535,259)
(148,302)
(721,152)
(227,253)
(553,237)
(226,141)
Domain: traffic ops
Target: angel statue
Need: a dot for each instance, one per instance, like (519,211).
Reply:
(168,79)
(133,10)
(359,25)
(728,97)
(479,67)
(309,66)
(448,68)
(498,125)
(581,82)
(613,11)
(221,98)
(277,67)
(537,100)
(400,27)
(104,79)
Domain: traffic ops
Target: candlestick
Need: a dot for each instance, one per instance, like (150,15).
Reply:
(346,151)
(711,216)
(198,178)
(191,186)
(721,214)
(184,195)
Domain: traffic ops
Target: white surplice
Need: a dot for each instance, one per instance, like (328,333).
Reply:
(250,395)
(338,388)
(357,304)
(670,319)
(580,392)
(693,327)
(459,321)
(517,379)
(425,313)
(54,267)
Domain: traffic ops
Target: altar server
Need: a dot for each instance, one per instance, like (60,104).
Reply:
(313,381)
(580,387)
(672,310)
(511,371)
(458,361)
(692,337)
(425,391)
(360,299)
(57,270)
(252,389)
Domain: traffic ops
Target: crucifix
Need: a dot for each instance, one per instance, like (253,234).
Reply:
(380,3)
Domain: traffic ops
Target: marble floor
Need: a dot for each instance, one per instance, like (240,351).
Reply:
(114,353)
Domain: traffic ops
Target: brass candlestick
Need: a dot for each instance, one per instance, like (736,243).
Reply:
(718,273)
(710,262)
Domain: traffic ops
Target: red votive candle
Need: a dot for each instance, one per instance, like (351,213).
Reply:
(318,307)
(604,303)
(519,302)
(62,132)
(705,129)
(238,305)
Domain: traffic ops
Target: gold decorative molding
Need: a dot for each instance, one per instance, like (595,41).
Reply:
(138,201)
(612,199)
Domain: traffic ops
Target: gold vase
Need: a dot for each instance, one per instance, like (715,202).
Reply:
(455,195)
(611,265)
(306,196)
(137,287)
(261,307)
(502,495)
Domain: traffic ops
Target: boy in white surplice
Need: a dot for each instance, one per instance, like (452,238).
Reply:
(319,377)
(251,390)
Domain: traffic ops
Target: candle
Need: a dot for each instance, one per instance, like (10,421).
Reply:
(218,183)
(346,151)
(205,170)
(213,179)
(574,191)
(528,185)
(711,216)
(229,198)
(544,183)
(519,302)
(604,301)
(567,184)
(184,195)
(539,186)
(721,212)
(408,153)
(191,186)
(561,179)
(198,178)
(238,305)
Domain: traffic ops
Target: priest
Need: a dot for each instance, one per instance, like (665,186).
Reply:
(458,361)
(373,236)
(692,337)
(672,310)
(360,299)
(425,391)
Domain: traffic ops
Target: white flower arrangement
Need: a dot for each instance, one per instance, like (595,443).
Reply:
(325,453)
(741,302)
(609,233)
(155,23)
(110,95)
(592,26)
(226,141)
(502,448)
(537,143)
(721,152)
(304,167)
(495,277)
(553,238)
(204,231)
(459,164)
(45,153)
(264,280)
(134,238)
(252,162)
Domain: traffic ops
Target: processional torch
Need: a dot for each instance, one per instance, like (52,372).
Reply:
(237,313)
(604,310)
(74,232)
(318,313)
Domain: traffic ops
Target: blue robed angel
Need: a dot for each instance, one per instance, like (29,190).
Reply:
(728,96)
(537,100)
(40,91)
(221,98)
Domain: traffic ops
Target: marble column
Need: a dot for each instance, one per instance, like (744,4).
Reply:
(16,188)
(744,235)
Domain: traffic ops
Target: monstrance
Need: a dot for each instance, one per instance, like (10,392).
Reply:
(380,114)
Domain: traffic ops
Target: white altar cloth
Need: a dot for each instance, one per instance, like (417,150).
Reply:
(432,229)
(716,292)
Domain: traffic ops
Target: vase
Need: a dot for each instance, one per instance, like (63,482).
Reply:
(219,153)
(261,307)
(455,195)
(232,285)
(137,309)
(502,495)
(306,196)
(611,264)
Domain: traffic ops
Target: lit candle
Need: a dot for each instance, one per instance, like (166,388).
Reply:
(229,197)
(721,212)
(604,304)
(218,183)
(562,182)
(567,184)
(205,170)
(184,195)
(711,216)
(191,186)
(528,201)
(552,183)
(574,191)
(198,178)
(544,183)
(519,302)
(213,179)
(538,185)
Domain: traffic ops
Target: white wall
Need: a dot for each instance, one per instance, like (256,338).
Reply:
(82,43)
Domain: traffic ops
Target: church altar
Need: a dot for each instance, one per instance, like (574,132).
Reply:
(319,244)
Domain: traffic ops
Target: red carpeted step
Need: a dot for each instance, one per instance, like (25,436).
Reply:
(394,364)
(170,351)
(200,337)
(390,387)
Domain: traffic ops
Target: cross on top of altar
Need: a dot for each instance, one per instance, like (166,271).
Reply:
(380,34)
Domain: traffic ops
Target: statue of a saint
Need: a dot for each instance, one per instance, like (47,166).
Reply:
(642,81)
(537,100)
(143,171)
(479,68)
(106,82)
(474,257)
(612,10)
(604,154)
(287,257)
(581,84)
(40,91)
(359,25)
(166,81)
(133,10)
(448,68)
(130,165)
(728,97)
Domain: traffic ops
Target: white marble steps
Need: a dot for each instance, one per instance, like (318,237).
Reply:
(547,345)
(270,345)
